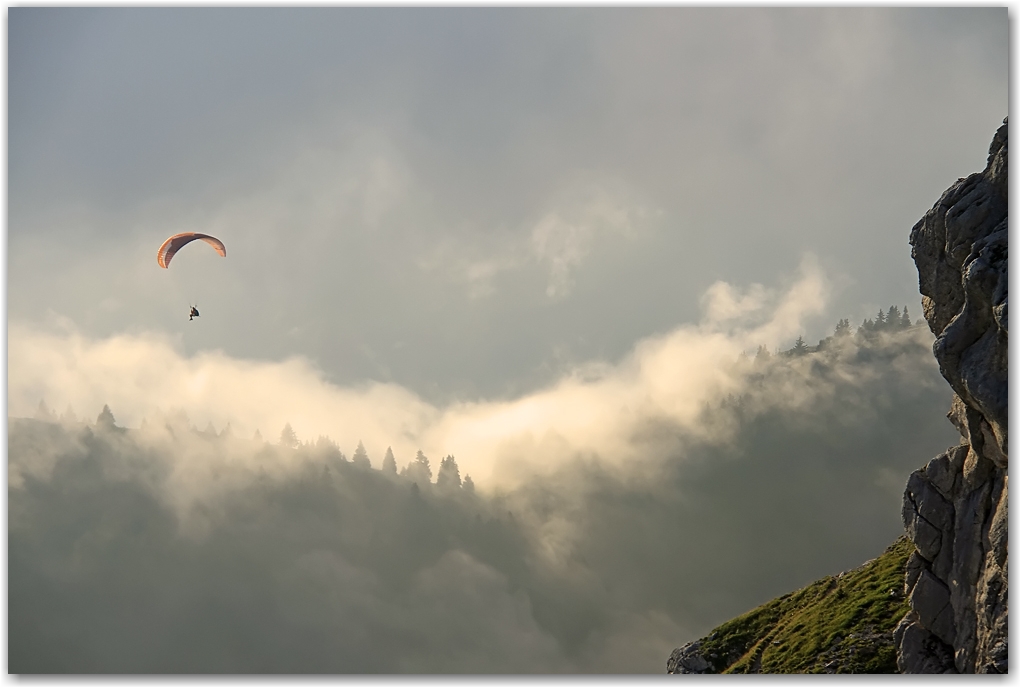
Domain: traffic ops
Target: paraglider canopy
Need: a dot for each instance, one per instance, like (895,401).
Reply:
(177,241)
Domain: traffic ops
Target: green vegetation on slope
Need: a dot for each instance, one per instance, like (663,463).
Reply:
(840,624)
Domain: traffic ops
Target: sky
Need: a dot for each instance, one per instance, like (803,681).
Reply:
(470,202)
(536,239)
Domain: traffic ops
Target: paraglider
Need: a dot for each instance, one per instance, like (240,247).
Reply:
(173,244)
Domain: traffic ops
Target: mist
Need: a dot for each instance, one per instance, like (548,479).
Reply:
(625,509)
(499,374)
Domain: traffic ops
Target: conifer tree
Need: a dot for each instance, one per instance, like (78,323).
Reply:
(389,463)
(43,412)
(288,437)
(327,448)
(422,460)
(892,319)
(419,469)
(105,419)
(469,484)
(360,457)
(449,474)
(880,321)
(905,320)
(799,347)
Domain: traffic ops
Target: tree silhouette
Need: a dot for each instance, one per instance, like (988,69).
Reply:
(892,319)
(422,460)
(360,457)
(799,348)
(105,419)
(449,474)
(43,412)
(389,463)
(326,448)
(469,484)
(905,320)
(418,470)
(288,438)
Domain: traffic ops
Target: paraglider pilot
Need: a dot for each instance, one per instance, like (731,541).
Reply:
(173,244)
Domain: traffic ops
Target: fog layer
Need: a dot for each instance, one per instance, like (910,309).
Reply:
(170,547)
(597,406)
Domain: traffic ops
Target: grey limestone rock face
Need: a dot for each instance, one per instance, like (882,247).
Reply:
(688,660)
(919,651)
(955,508)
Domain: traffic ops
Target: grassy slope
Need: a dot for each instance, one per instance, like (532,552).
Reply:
(839,624)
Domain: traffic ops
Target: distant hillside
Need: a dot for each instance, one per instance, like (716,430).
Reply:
(841,624)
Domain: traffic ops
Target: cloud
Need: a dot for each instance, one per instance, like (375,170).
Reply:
(576,221)
(722,302)
(331,167)
(562,246)
(622,510)
(561,240)
(357,167)
(596,407)
(169,549)
(475,266)
(270,584)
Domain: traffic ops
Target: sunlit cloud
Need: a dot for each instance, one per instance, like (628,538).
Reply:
(623,510)
(596,407)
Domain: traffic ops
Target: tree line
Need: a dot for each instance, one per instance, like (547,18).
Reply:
(892,320)
(418,470)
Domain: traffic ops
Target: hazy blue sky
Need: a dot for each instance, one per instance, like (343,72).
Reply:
(471,202)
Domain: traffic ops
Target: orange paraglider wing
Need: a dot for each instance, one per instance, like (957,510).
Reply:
(177,241)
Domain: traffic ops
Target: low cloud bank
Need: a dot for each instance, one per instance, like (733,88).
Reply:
(595,408)
(627,508)
(170,548)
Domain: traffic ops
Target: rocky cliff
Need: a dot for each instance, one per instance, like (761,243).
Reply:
(954,563)
(955,508)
